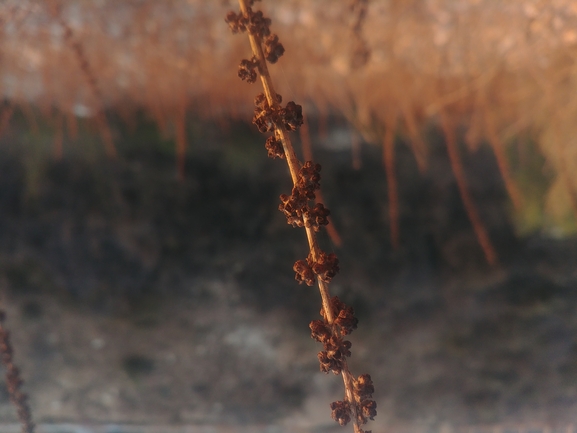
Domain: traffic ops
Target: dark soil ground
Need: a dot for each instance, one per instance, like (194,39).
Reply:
(137,299)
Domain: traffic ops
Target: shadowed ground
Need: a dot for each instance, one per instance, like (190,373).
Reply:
(135,299)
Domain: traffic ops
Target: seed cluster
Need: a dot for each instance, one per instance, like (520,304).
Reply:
(296,207)
(267,118)
(301,211)
(331,336)
(325,267)
(332,358)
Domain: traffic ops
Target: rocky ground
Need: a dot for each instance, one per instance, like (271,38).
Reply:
(133,298)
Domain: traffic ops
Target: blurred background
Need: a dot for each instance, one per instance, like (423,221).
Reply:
(147,273)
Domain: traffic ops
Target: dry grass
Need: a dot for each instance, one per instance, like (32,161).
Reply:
(498,70)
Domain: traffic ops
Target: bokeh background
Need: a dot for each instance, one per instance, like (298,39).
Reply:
(146,271)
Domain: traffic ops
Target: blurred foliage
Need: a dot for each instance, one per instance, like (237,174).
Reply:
(498,71)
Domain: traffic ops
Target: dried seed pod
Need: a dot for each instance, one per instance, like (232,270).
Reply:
(309,178)
(368,409)
(304,273)
(236,22)
(341,412)
(273,49)
(320,331)
(258,24)
(292,116)
(328,363)
(261,102)
(274,147)
(364,388)
(265,117)
(246,70)
(326,266)
(294,207)
(318,216)
(346,320)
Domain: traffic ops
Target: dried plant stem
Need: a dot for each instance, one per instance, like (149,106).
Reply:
(497,146)
(91,80)
(417,143)
(338,318)
(291,158)
(180,126)
(470,208)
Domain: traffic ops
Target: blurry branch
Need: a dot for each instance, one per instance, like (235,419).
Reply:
(498,147)
(361,52)
(180,125)
(459,172)
(462,93)
(389,163)
(13,379)
(417,144)
(5,116)
(91,80)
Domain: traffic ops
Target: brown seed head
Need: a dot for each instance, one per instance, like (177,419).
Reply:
(236,22)
(273,49)
(246,70)
(292,116)
(364,388)
(274,147)
(258,24)
(304,273)
(326,266)
(369,409)
(341,412)
(320,331)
